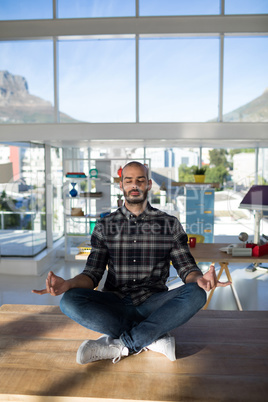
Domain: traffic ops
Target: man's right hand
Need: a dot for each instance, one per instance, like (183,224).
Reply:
(55,285)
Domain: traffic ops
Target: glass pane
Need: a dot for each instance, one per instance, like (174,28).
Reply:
(166,169)
(245,79)
(246,7)
(57,179)
(97,83)
(26,9)
(22,201)
(179,7)
(26,79)
(263,166)
(227,167)
(179,79)
(95,8)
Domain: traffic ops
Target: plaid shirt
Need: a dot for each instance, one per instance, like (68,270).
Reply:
(138,251)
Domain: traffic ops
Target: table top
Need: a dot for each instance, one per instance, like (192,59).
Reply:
(210,252)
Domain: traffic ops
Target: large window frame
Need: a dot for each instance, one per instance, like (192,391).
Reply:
(199,134)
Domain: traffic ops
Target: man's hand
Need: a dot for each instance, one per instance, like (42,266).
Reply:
(55,285)
(209,280)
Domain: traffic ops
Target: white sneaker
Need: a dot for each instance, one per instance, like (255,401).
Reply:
(166,346)
(103,348)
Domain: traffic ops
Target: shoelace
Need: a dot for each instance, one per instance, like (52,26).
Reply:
(116,359)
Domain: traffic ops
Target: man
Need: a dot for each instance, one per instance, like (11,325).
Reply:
(135,311)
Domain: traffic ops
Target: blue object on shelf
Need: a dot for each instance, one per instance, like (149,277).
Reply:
(73,191)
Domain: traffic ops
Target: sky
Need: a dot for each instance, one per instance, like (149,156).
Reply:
(179,78)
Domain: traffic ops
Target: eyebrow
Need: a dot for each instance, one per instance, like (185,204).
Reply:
(131,177)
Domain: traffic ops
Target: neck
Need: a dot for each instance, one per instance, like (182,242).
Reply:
(136,209)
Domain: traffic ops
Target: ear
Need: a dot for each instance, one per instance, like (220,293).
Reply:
(150,183)
(121,185)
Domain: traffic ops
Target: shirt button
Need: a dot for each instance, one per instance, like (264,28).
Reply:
(134,280)
(134,260)
(135,241)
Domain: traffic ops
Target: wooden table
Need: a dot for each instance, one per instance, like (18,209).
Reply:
(210,252)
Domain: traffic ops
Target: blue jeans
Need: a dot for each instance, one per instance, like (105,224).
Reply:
(136,326)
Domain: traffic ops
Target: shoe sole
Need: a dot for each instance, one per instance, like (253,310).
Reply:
(173,357)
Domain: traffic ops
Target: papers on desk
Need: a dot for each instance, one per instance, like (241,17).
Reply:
(237,251)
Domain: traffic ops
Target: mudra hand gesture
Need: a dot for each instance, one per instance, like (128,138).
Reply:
(209,280)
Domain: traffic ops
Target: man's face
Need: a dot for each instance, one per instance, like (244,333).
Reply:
(135,184)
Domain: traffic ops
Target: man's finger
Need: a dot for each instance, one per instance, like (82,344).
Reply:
(223,284)
(40,292)
(213,280)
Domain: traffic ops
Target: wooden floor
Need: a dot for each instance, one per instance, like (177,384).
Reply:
(221,356)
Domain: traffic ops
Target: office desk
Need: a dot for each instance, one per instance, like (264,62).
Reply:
(210,252)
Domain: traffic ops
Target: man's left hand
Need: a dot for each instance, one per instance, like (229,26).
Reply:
(209,280)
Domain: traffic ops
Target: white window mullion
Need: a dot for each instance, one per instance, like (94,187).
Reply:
(220,114)
(49,197)
(56,80)
(137,80)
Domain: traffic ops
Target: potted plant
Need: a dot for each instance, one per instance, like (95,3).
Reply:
(199,174)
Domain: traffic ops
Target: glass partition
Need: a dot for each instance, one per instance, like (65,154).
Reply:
(234,171)
(22,201)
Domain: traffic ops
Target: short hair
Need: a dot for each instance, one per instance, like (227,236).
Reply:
(136,163)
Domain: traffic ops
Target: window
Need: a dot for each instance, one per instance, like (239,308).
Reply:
(26,9)
(179,79)
(97,83)
(246,7)
(179,7)
(245,96)
(26,75)
(95,8)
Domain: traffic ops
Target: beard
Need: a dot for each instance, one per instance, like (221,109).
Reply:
(137,199)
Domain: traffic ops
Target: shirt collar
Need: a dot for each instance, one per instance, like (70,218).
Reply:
(128,214)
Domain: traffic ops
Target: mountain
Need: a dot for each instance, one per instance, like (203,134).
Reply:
(254,111)
(17,105)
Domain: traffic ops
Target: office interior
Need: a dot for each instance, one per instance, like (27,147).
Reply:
(94,91)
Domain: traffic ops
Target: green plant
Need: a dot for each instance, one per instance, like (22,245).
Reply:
(198,171)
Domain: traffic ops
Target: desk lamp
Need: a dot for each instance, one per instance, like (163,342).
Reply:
(256,200)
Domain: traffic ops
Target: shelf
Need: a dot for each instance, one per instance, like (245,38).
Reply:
(82,216)
(184,183)
(81,256)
